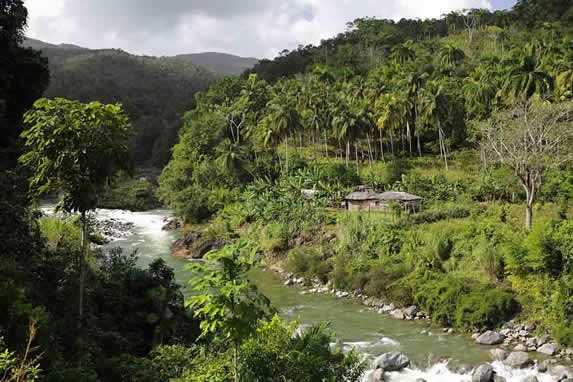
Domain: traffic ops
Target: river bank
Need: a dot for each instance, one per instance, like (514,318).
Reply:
(355,325)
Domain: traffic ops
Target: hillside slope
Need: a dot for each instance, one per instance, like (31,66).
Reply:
(221,63)
(155,91)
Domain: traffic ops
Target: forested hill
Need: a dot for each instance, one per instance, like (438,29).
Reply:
(221,63)
(368,41)
(154,91)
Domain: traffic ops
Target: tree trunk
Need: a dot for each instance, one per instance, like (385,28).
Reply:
(392,143)
(347,152)
(280,161)
(382,147)
(443,145)
(419,145)
(356,157)
(286,153)
(325,145)
(530,199)
(82,268)
(528,217)
(409,136)
(369,150)
(235,361)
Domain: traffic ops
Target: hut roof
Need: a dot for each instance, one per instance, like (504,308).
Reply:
(398,195)
(366,193)
(363,193)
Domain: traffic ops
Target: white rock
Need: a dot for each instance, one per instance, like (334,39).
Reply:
(547,349)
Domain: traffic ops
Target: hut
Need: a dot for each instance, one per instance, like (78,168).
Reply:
(366,199)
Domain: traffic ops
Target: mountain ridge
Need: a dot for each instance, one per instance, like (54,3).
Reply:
(220,63)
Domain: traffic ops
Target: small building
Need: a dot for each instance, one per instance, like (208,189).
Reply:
(366,199)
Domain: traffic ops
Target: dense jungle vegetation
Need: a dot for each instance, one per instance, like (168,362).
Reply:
(473,112)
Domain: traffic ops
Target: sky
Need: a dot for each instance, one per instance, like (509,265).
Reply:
(250,28)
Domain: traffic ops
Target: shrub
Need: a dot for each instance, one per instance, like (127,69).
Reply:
(465,303)
(277,353)
(309,262)
(486,307)
(171,362)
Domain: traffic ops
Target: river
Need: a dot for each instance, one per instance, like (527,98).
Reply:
(359,327)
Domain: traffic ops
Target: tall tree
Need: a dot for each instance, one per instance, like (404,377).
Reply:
(434,109)
(532,139)
(75,149)
(526,78)
(23,78)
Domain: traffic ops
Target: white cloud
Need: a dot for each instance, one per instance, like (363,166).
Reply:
(259,28)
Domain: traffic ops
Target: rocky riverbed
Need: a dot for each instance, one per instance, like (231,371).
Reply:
(515,347)
(113,229)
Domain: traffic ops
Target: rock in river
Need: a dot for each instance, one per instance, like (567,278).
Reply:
(484,373)
(393,361)
(376,376)
(489,338)
(518,360)
(547,349)
(498,354)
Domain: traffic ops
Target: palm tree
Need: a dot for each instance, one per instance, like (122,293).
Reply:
(282,119)
(525,78)
(232,158)
(346,124)
(479,93)
(403,53)
(451,55)
(393,111)
(434,104)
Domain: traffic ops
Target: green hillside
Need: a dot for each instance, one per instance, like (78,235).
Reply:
(154,91)
(220,63)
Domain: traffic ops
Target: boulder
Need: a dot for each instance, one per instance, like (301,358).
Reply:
(376,376)
(518,360)
(498,354)
(411,311)
(171,224)
(387,308)
(462,368)
(520,347)
(420,380)
(530,378)
(547,349)
(398,314)
(484,373)
(489,338)
(392,361)
(561,372)
(498,378)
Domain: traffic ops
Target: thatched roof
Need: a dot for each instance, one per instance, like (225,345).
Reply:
(400,196)
(365,193)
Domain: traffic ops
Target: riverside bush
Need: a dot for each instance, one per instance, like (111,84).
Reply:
(309,262)
(465,303)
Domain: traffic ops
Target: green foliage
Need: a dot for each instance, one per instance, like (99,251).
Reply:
(450,300)
(170,362)
(309,261)
(277,353)
(75,149)
(227,303)
(155,92)
(23,78)
(24,368)
(129,194)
